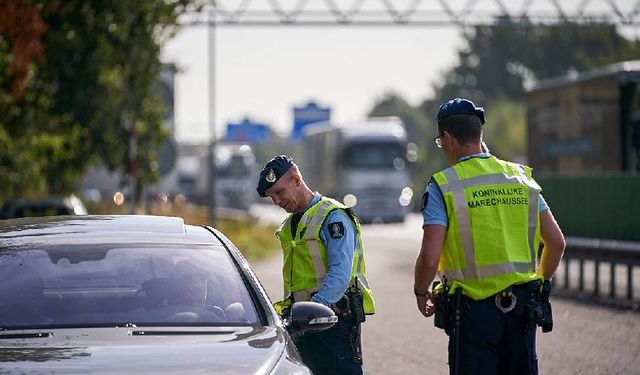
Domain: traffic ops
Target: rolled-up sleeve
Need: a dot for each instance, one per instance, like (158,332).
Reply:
(434,212)
(340,251)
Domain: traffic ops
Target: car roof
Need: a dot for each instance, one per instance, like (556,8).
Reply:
(106,229)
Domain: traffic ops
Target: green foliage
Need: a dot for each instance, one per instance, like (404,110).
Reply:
(505,130)
(498,61)
(493,69)
(95,75)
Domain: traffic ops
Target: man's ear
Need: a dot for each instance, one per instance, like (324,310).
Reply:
(296,179)
(447,138)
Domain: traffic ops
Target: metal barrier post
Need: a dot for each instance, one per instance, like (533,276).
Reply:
(581,275)
(612,279)
(596,287)
(566,273)
(630,282)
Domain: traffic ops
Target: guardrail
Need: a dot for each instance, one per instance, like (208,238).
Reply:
(581,273)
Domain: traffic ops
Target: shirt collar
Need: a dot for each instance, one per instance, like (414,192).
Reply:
(478,155)
(316,199)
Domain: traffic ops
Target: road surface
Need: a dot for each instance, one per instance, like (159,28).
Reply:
(586,339)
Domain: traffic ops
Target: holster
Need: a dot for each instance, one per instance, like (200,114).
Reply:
(544,315)
(445,305)
(535,306)
(351,305)
(440,300)
(356,304)
(351,308)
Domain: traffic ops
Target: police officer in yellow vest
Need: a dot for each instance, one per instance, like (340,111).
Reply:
(483,220)
(324,263)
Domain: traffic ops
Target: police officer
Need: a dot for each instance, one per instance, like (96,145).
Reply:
(324,263)
(483,219)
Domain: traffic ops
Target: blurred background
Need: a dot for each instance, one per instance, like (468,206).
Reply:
(171,107)
(149,106)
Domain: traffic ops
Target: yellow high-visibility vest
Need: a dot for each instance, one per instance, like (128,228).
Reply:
(494,225)
(305,255)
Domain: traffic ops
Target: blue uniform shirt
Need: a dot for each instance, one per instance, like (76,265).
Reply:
(436,212)
(340,253)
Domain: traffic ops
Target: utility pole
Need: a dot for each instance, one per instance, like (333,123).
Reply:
(131,168)
(212,116)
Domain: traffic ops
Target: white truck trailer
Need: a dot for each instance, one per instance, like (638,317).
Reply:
(362,164)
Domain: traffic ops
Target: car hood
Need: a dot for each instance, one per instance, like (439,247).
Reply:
(165,350)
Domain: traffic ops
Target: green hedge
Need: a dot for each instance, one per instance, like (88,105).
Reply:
(595,206)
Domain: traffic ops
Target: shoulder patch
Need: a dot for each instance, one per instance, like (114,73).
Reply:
(336,229)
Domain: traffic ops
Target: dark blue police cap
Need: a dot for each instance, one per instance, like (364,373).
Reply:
(459,106)
(272,171)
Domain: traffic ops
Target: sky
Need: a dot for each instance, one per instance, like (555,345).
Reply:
(263,72)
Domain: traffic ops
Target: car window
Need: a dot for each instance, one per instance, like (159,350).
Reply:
(42,210)
(92,285)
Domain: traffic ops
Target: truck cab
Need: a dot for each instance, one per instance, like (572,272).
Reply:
(362,164)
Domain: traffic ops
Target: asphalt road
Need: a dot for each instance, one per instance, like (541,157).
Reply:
(586,339)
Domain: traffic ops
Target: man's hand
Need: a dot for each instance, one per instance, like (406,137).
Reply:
(427,266)
(426,304)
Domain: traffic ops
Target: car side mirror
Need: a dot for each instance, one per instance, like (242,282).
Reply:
(310,317)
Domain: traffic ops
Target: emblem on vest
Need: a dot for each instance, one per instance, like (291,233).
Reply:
(271,176)
(336,230)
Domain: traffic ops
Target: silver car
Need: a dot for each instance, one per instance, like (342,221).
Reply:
(138,294)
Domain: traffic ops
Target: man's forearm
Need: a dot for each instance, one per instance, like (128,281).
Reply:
(424,275)
(551,256)
(427,262)
(554,245)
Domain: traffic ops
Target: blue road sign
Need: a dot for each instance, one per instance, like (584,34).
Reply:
(247,131)
(303,116)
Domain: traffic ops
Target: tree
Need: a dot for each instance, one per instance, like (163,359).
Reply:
(500,61)
(505,131)
(494,68)
(66,101)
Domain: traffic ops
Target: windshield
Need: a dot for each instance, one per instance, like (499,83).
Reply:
(375,155)
(95,285)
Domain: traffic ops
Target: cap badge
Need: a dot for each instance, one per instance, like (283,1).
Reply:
(271,176)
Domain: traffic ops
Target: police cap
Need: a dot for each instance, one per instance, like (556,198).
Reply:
(459,106)
(272,171)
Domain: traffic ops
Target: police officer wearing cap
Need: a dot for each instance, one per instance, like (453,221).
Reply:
(483,221)
(323,262)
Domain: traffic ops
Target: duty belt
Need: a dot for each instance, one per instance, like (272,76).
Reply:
(506,300)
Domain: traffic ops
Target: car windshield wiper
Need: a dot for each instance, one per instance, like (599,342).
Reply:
(28,335)
(177,333)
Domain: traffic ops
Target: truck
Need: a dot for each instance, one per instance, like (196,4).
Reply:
(586,121)
(362,164)
(236,171)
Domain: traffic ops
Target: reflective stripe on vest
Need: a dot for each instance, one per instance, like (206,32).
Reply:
(309,229)
(313,225)
(310,236)
(456,186)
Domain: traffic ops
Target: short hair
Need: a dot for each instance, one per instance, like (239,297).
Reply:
(465,128)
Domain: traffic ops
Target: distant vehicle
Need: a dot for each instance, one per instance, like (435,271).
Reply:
(586,121)
(138,294)
(49,206)
(236,172)
(362,164)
